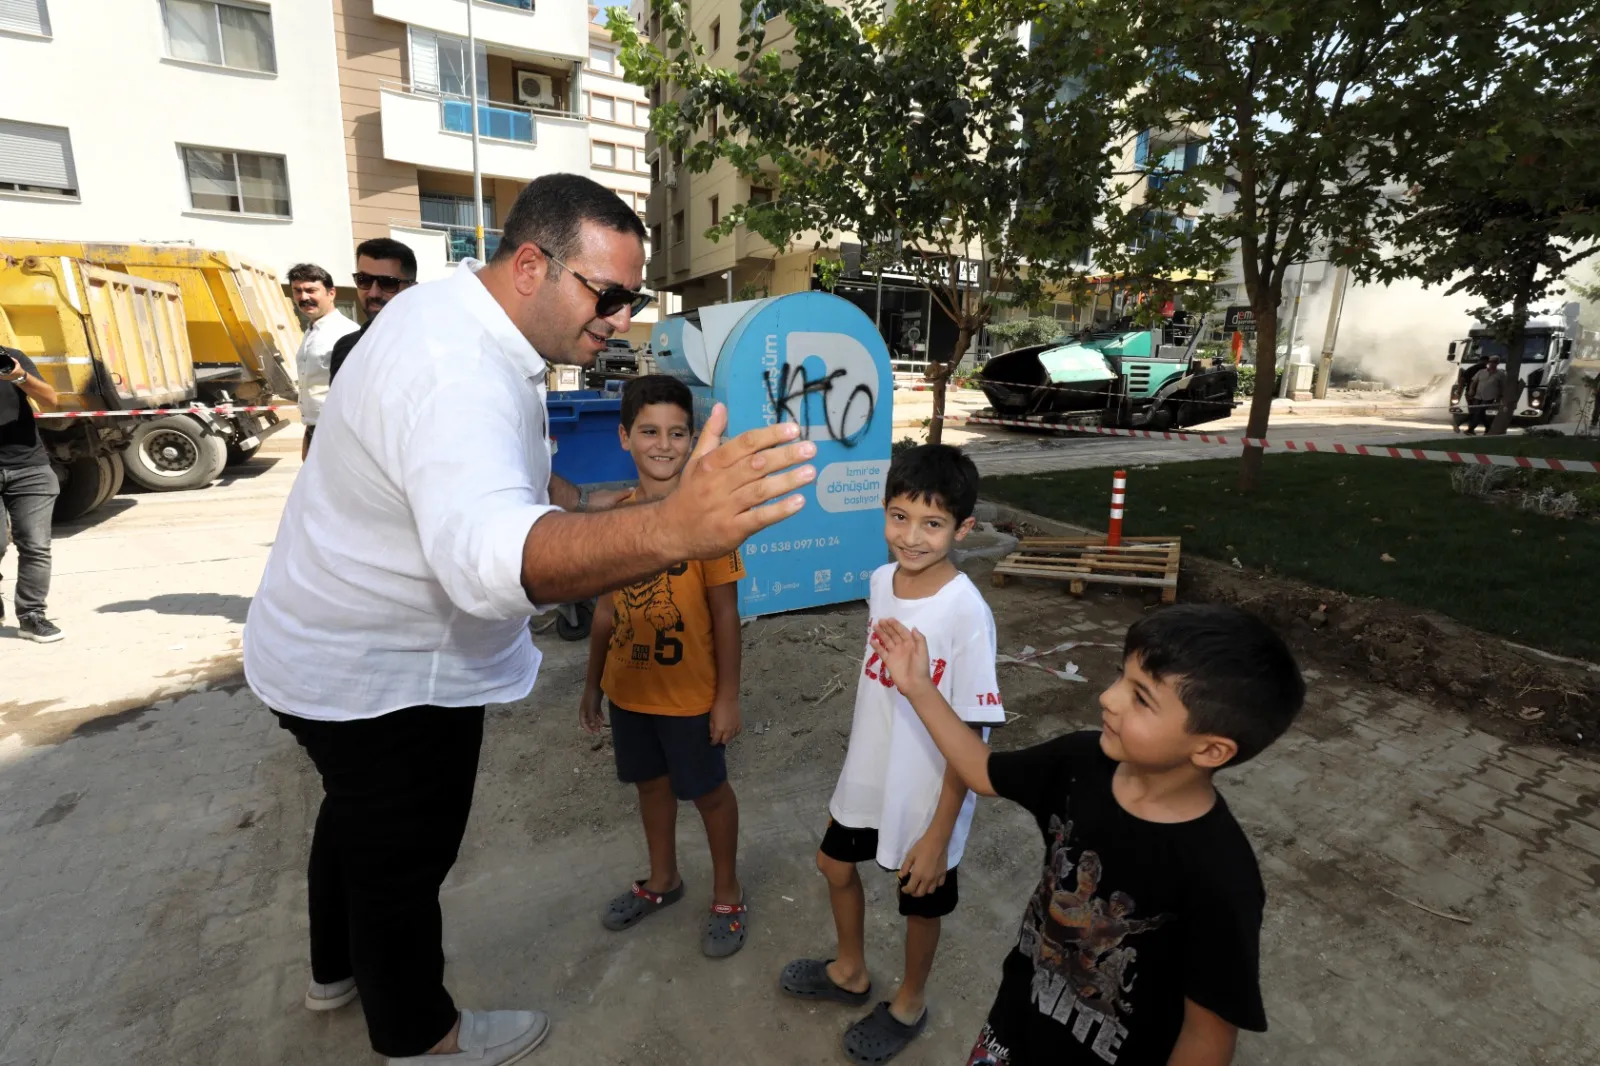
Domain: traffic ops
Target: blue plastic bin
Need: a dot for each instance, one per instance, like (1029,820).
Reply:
(583,424)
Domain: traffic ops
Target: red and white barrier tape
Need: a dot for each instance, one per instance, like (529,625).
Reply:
(1377,451)
(160,412)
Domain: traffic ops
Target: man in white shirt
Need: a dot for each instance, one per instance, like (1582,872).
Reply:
(312,290)
(411,552)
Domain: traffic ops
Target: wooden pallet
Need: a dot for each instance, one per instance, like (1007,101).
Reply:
(1081,561)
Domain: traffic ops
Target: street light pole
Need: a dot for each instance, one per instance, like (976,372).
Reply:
(1286,388)
(1335,311)
(477,171)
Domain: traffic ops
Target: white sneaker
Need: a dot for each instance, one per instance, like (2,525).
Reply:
(331,996)
(490,1038)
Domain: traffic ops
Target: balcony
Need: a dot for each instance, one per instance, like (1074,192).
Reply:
(433,131)
(553,29)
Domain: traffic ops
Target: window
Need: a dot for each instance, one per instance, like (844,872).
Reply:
(655,170)
(716,210)
(655,237)
(36,159)
(624,112)
(223,34)
(716,34)
(439,64)
(602,107)
(713,123)
(25,16)
(603,60)
(760,195)
(641,114)
(603,155)
(677,228)
(624,157)
(240,183)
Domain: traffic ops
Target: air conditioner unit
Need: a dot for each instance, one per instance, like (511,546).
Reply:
(651,156)
(536,90)
(671,180)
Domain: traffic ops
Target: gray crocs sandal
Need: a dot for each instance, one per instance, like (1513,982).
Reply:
(808,979)
(725,930)
(637,903)
(880,1036)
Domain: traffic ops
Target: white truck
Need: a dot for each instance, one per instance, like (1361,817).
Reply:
(1546,386)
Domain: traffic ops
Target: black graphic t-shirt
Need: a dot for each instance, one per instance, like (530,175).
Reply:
(1130,919)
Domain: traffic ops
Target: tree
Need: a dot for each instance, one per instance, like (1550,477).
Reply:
(1502,171)
(909,126)
(1291,102)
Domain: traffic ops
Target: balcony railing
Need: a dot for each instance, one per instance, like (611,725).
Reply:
(494,120)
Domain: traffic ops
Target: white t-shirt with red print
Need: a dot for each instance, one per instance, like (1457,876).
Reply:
(893,772)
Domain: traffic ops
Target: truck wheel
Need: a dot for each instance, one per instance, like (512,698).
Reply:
(175,452)
(81,482)
(238,456)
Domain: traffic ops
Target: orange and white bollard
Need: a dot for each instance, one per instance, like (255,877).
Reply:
(1119,487)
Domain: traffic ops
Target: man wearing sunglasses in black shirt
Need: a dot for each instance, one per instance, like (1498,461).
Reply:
(384,269)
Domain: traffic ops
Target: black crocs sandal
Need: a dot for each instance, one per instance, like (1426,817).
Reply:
(637,904)
(725,930)
(880,1036)
(808,979)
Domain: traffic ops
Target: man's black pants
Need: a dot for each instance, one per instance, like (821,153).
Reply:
(397,791)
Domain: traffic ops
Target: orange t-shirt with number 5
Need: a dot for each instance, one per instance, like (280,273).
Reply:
(662,659)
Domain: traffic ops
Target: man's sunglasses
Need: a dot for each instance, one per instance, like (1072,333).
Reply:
(609,300)
(390,285)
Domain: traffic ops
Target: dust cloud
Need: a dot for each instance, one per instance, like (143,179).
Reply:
(1397,334)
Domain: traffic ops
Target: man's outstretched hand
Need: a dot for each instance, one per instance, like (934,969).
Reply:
(727,491)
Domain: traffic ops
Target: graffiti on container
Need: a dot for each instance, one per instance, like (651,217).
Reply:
(846,409)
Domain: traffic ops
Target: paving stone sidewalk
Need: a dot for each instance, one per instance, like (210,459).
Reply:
(151,896)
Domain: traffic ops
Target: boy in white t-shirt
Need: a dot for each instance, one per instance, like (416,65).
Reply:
(896,801)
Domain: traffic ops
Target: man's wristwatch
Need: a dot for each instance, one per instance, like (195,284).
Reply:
(583,498)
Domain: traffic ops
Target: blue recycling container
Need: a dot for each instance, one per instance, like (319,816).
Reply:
(817,360)
(583,429)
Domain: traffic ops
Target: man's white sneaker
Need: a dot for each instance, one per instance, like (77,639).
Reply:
(489,1038)
(331,996)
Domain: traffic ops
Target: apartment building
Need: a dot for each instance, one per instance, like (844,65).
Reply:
(211,122)
(550,100)
(682,206)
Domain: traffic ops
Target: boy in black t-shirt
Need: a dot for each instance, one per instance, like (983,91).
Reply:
(1140,946)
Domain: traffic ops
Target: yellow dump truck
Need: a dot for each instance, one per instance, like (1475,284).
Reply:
(130,327)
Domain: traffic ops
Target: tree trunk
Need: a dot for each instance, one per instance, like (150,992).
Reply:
(1513,390)
(1261,398)
(939,374)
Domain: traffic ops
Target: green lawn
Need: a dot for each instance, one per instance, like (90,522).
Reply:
(1330,519)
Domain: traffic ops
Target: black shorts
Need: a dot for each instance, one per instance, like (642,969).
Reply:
(649,746)
(843,844)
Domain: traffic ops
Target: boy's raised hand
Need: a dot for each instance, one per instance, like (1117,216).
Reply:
(905,652)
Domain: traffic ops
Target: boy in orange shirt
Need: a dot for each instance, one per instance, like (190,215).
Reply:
(665,652)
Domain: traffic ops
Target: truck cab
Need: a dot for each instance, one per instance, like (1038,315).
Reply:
(1542,376)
